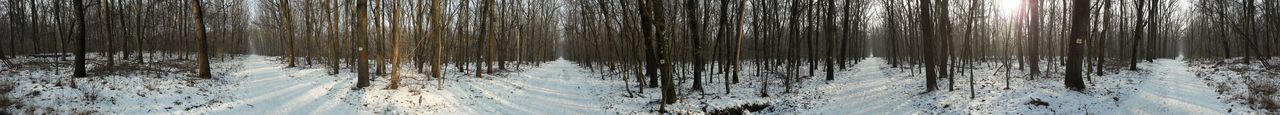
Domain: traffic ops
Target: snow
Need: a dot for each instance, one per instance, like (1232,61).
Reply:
(266,87)
(262,85)
(1173,90)
(1242,82)
(867,91)
(273,89)
(558,88)
(42,88)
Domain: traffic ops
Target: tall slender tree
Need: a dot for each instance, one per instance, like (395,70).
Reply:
(288,33)
(106,10)
(395,45)
(436,28)
(695,37)
(80,40)
(927,29)
(1137,35)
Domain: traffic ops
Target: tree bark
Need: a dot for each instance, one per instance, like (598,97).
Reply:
(106,10)
(435,34)
(1137,36)
(927,29)
(395,45)
(691,10)
(288,33)
(737,60)
(80,40)
(362,42)
(202,58)
(1079,29)
(831,39)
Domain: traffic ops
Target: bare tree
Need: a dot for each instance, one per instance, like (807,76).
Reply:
(395,44)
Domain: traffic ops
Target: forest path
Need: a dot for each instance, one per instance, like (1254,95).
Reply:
(556,88)
(1172,90)
(268,87)
(867,90)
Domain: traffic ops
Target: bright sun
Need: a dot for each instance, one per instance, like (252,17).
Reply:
(1007,7)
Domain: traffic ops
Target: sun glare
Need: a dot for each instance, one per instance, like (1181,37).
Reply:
(1007,7)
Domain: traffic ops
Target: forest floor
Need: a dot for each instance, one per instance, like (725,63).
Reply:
(1242,82)
(262,85)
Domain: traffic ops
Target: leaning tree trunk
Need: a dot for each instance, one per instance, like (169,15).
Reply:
(202,58)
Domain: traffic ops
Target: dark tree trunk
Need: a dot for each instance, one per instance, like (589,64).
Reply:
(931,82)
(691,10)
(651,55)
(831,39)
(80,40)
(1079,29)
(1137,36)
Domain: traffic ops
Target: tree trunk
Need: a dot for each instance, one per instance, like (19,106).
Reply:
(927,29)
(1079,29)
(362,43)
(651,55)
(651,10)
(435,34)
(691,10)
(737,61)
(137,31)
(395,45)
(831,39)
(1137,36)
(333,37)
(288,33)
(1102,42)
(202,58)
(80,40)
(106,10)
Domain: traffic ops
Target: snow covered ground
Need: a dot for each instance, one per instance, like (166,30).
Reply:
(1242,82)
(45,86)
(262,85)
(1172,90)
(267,87)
